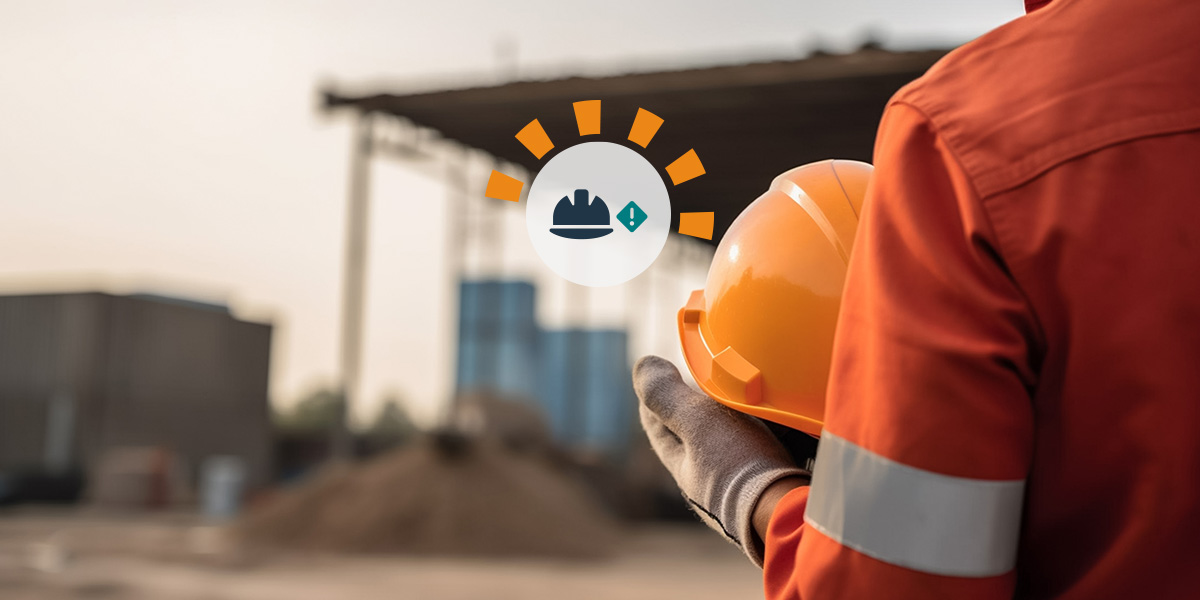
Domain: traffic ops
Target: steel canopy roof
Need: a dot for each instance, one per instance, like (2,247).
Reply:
(748,123)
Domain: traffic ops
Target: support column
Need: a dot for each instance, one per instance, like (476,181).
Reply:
(457,204)
(354,282)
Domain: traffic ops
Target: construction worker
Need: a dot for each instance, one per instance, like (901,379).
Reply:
(1013,402)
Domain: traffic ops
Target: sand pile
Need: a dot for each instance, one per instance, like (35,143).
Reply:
(440,495)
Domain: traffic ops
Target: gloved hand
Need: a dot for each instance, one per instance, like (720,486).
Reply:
(722,460)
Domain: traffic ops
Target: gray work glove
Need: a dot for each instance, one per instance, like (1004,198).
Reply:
(722,460)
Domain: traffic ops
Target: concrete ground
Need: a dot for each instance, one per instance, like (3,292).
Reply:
(58,555)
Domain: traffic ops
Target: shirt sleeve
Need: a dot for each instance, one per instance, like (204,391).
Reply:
(919,481)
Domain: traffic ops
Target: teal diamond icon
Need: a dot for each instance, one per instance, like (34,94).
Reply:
(631,216)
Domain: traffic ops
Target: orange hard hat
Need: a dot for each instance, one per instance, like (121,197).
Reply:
(759,337)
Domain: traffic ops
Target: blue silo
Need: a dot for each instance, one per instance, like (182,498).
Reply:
(497,337)
(579,378)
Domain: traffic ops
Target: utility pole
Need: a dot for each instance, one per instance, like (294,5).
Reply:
(354,282)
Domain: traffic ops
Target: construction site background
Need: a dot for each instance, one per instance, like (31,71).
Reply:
(262,335)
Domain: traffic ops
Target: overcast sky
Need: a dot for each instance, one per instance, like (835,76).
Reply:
(175,146)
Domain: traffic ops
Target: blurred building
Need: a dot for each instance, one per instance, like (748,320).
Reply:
(85,375)
(578,378)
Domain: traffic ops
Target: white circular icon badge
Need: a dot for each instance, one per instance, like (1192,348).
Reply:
(598,214)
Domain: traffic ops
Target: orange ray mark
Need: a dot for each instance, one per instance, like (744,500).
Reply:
(698,224)
(534,138)
(685,167)
(503,187)
(645,125)
(587,115)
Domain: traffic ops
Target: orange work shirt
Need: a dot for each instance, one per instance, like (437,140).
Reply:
(1014,402)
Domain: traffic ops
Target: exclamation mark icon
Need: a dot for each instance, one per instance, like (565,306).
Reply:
(631,216)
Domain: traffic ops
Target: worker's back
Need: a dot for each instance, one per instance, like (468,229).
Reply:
(1079,128)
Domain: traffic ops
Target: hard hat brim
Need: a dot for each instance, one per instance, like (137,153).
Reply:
(583,233)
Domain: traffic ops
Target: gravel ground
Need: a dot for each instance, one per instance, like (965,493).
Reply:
(53,555)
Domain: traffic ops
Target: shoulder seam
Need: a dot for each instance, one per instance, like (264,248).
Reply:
(996,180)
(938,131)
(1006,177)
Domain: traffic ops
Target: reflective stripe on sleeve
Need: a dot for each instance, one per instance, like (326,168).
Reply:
(913,518)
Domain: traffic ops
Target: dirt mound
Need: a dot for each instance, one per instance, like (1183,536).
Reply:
(439,496)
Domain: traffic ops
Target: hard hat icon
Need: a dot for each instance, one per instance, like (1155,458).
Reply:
(581,220)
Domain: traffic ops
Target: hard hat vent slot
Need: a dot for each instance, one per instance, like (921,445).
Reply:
(736,376)
(694,307)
